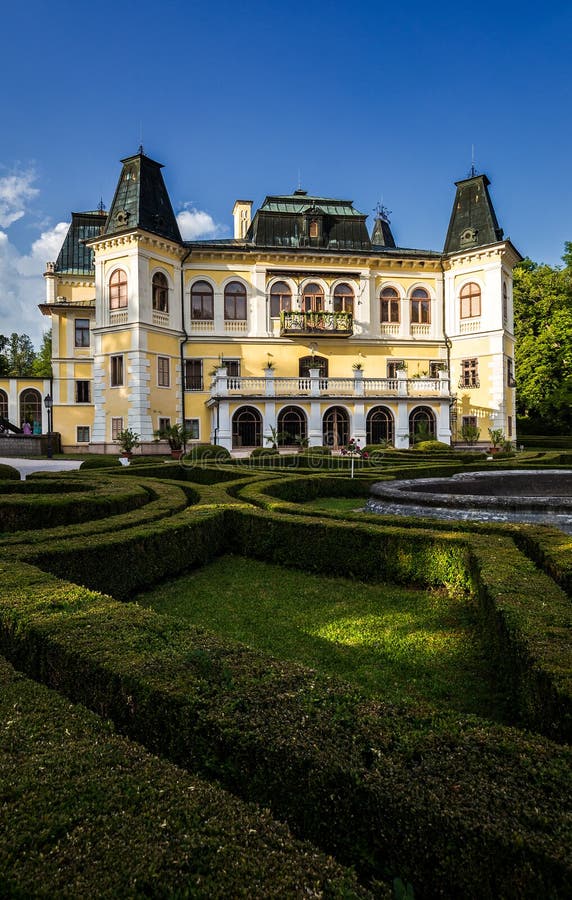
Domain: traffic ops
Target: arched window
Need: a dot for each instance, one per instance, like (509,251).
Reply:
(470,301)
(420,307)
(280,299)
(3,405)
(118,290)
(379,426)
(160,292)
(246,427)
(389,305)
(293,424)
(202,301)
(31,409)
(235,301)
(343,298)
(312,298)
(305,363)
(336,427)
(422,424)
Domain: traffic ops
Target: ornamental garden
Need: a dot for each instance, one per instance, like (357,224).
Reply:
(221,678)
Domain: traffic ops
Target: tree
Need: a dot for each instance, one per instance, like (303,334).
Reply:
(17,355)
(543,331)
(43,362)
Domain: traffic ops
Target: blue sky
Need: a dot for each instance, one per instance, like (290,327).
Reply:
(364,100)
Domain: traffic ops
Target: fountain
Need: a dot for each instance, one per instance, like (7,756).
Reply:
(541,497)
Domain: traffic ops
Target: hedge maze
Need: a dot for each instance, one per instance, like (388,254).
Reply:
(143,756)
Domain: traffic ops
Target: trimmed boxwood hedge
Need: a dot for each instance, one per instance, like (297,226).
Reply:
(107,819)
(25,510)
(454,805)
(9,473)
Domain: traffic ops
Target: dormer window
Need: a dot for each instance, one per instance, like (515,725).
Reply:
(469,236)
(160,292)
(314,230)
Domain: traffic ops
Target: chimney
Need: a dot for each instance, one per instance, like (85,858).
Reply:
(242,211)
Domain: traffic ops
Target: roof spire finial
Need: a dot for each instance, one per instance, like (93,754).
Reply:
(101,205)
(473,170)
(299,180)
(382,212)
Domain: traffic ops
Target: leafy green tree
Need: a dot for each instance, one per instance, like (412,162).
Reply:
(43,362)
(543,331)
(20,355)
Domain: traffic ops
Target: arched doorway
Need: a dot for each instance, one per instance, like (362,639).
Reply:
(379,426)
(31,409)
(336,427)
(422,424)
(3,405)
(293,424)
(246,427)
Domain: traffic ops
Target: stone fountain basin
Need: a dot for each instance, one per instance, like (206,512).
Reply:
(538,490)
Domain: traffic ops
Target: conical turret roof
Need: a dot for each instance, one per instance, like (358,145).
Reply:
(141,200)
(473,220)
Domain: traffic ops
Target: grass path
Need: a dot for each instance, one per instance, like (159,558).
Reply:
(397,643)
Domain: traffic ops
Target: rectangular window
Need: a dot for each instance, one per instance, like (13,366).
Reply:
(116,427)
(163,371)
(82,434)
(116,371)
(82,332)
(469,420)
(509,426)
(420,312)
(164,424)
(82,392)
(393,366)
(193,428)
(232,367)
(389,311)
(469,373)
(510,373)
(193,375)
(435,366)
(235,307)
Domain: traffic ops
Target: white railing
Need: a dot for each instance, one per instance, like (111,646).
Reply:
(202,326)
(470,327)
(225,386)
(388,328)
(160,318)
(424,330)
(118,318)
(235,325)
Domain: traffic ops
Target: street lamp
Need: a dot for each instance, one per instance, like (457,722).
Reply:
(48,403)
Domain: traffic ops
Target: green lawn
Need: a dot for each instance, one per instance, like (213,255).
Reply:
(400,644)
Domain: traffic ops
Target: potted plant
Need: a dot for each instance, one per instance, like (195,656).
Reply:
(128,440)
(497,439)
(275,437)
(357,367)
(177,436)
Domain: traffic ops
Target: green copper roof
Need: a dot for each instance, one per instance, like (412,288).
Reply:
(473,220)
(75,258)
(300,220)
(141,200)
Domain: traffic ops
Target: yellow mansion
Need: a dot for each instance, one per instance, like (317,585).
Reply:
(302,322)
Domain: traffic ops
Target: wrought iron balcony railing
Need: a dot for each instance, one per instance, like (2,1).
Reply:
(325,324)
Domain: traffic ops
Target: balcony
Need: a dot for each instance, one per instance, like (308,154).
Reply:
(231,387)
(317,324)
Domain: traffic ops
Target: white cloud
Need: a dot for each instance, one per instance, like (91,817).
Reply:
(15,191)
(22,286)
(44,249)
(195,223)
